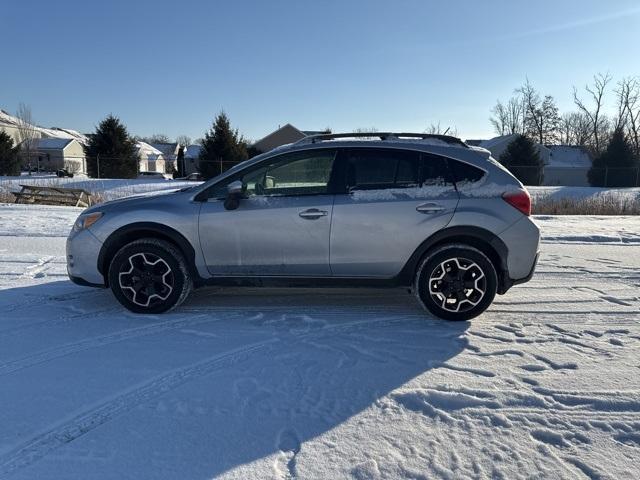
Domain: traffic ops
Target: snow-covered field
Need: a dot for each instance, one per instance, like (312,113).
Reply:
(104,189)
(325,384)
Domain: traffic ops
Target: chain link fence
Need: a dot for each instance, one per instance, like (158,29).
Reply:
(614,177)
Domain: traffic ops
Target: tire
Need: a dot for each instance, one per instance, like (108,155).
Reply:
(456,282)
(149,276)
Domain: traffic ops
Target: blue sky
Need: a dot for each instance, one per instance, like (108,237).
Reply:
(169,67)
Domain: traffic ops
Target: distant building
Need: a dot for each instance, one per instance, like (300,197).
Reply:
(51,154)
(150,159)
(169,152)
(498,145)
(11,125)
(563,164)
(282,136)
(568,166)
(191,159)
(57,132)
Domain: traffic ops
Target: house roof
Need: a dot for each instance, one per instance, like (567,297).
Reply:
(53,143)
(146,149)
(495,141)
(8,119)
(569,156)
(168,149)
(192,151)
(57,132)
(54,132)
(288,126)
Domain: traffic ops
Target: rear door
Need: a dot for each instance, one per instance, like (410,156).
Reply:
(393,200)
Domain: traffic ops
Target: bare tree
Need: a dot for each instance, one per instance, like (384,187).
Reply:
(508,118)
(155,138)
(183,140)
(628,93)
(27,132)
(541,118)
(595,115)
(575,129)
(436,129)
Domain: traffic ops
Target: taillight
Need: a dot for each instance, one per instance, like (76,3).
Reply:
(520,200)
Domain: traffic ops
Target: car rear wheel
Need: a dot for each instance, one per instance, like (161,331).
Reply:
(456,282)
(149,276)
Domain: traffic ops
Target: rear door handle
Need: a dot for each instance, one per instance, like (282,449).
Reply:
(429,208)
(313,214)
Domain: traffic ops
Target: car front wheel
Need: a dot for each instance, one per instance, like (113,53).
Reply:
(149,276)
(456,282)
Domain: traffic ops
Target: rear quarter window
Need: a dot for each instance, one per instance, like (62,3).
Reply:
(464,173)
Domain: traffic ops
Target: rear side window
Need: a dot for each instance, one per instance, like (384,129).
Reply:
(435,171)
(382,168)
(465,173)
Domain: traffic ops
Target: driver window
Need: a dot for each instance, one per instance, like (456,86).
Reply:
(301,173)
(305,173)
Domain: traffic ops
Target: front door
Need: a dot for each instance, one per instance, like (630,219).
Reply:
(282,225)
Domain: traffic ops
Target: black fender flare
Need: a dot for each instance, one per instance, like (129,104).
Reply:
(134,231)
(484,240)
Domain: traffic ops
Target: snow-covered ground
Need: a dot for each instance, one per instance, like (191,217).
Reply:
(329,384)
(105,189)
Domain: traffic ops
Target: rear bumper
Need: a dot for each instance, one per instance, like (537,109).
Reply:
(529,275)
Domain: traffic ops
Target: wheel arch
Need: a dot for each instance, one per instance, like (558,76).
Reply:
(480,238)
(135,231)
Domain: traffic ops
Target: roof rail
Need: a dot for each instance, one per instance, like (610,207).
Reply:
(382,136)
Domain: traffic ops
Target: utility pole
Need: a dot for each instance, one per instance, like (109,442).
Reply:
(98,161)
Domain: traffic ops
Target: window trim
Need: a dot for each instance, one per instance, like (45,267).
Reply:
(276,159)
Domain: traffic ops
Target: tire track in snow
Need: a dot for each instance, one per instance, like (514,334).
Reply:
(43,356)
(44,443)
(67,431)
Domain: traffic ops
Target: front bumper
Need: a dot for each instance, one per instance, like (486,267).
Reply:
(82,259)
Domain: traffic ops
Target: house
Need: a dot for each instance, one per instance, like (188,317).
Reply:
(169,152)
(150,159)
(568,166)
(563,164)
(51,154)
(282,136)
(498,145)
(11,125)
(57,132)
(191,156)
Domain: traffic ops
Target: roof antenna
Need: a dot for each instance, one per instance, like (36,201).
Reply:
(447,130)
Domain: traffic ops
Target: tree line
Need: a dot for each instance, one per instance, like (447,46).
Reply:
(222,147)
(111,151)
(613,140)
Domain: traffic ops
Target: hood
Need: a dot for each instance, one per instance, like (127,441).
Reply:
(132,200)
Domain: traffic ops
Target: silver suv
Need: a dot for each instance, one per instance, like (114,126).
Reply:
(422,211)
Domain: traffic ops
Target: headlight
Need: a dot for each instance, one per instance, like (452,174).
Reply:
(86,220)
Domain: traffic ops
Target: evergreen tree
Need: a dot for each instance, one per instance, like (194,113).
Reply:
(179,172)
(617,166)
(222,148)
(112,151)
(522,159)
(9,160)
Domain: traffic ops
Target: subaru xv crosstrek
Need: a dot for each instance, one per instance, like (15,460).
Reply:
(428,212)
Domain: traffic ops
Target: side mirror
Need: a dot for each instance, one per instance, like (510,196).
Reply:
(234,193)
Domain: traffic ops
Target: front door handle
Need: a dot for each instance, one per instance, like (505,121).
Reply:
(429,208)
(313,214)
